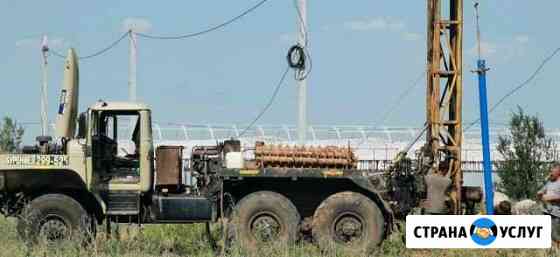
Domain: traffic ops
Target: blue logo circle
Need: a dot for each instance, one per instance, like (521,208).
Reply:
(483,231)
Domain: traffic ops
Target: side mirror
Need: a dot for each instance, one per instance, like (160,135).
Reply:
(82,125)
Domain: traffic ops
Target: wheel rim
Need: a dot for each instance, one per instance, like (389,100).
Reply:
(53,228)
(348,228)
(265,227)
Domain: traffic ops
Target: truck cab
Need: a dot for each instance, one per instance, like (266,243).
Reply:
(120,165)
(134,183)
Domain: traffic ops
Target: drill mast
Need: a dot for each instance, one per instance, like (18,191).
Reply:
(445,92)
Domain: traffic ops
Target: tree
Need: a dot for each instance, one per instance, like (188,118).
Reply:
(11,135)
(527,153)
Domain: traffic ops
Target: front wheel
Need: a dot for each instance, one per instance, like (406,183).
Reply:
(348,221)
(54,218)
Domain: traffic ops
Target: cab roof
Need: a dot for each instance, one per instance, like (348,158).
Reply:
(118,106)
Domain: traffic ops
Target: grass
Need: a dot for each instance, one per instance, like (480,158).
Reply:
(190,240)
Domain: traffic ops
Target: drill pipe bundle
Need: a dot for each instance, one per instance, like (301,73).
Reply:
(282,156)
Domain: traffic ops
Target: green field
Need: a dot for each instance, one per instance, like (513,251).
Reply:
(190,240)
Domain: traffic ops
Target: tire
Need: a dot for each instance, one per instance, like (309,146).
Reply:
(54,218)
(264,218)
(350,222)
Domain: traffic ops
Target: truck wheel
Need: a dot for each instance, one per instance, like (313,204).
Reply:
(54,218)
(263,218)
(348,221)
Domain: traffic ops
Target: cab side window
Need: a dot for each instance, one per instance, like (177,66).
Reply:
(117,142)
(109,127)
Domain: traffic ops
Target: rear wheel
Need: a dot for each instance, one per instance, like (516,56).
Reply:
(264,218)
(348,221)
(54,218)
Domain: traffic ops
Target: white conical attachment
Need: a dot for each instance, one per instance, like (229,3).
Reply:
(68,103)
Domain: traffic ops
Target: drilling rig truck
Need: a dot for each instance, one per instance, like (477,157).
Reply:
(68,186)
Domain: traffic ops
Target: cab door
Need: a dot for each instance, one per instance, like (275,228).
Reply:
(117,155)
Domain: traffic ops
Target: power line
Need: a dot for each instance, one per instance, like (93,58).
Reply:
(144,35)
(109,47)
(270,102)
(401,97)
(210,29)
(95,54)
(123,36)
(396,104)
(57,54)
(520,86)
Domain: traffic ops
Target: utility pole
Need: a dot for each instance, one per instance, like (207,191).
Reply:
(484,128)
(133,52)
(44,96)
(132,60)
(302,83)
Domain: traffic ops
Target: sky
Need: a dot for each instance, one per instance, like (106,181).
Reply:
(365,53)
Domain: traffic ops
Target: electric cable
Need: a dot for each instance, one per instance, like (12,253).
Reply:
(401,97)
(296,57)
(396,104)
(55,53)
(97,53)
(210,29)
(519,87)
(269,104)
(116,42)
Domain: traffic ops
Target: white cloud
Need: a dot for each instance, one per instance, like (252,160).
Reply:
(514,50)
(385,24)
(288,37)
(375,23)
(27,42)
(396,25)
(522,39)
(35,42)
(411,36)
(58,43)
(505,50)
(370,24)
(136,24)
(486,49)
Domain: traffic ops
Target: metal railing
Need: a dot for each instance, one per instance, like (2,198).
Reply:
(369,143)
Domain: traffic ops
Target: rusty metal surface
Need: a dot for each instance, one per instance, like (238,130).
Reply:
(445,91)
(304,157)
(293,173)
(169,165)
